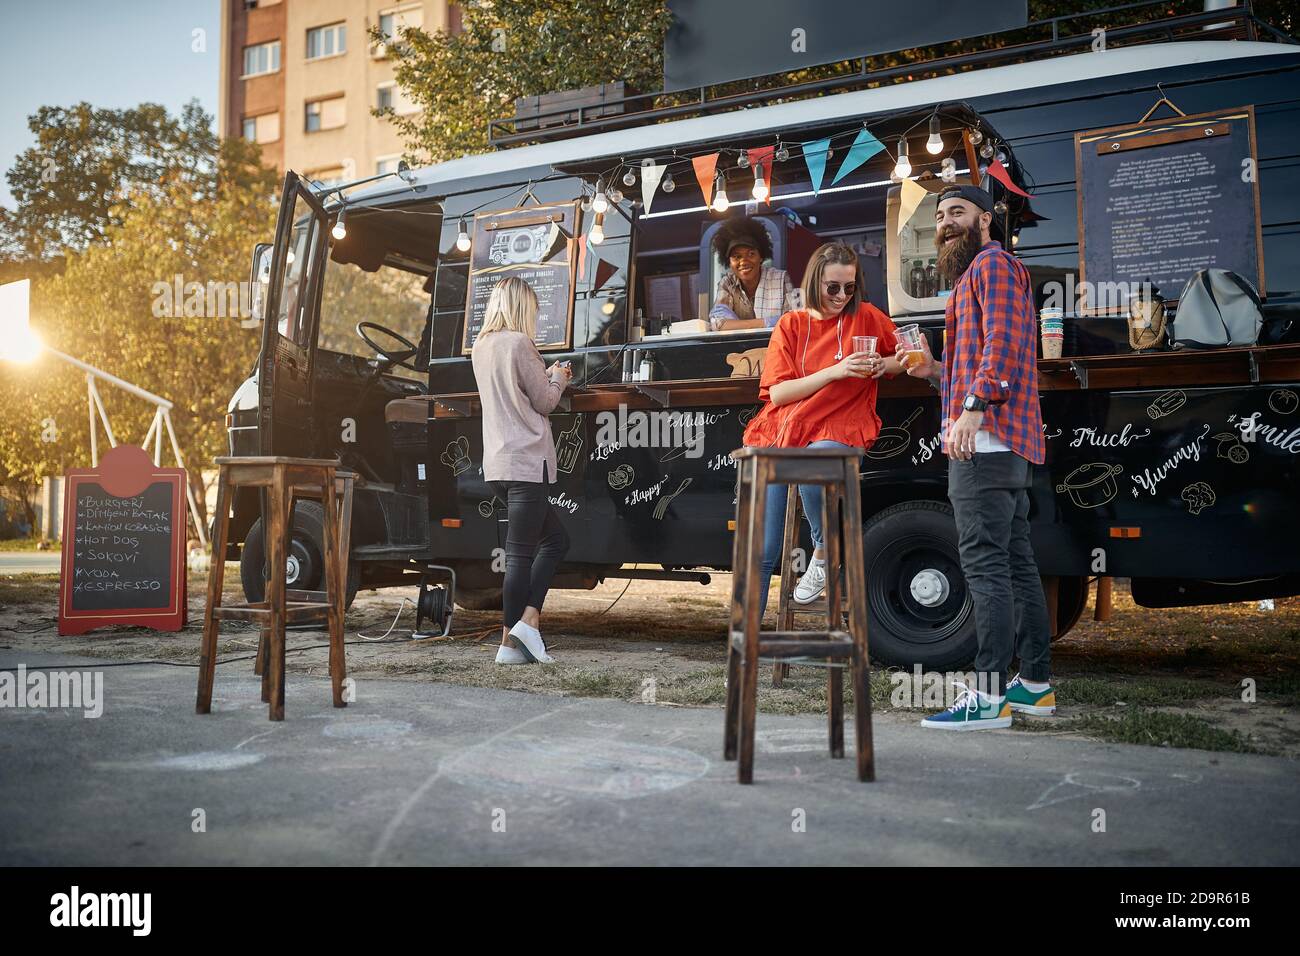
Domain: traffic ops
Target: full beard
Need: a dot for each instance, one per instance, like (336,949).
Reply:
(955,257)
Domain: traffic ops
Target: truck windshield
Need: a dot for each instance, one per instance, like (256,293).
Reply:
(379,272)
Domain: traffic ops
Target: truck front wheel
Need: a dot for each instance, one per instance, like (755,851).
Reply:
(304,564)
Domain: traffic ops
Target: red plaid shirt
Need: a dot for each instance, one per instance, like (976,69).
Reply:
(990,351)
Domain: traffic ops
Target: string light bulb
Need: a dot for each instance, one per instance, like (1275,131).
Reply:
(597,234)
(340,231)
(629,178)
(934,145)
(743,160)
(976,137)
(720,201)
(616,195)
(760,191)
(601,203)
(903,168)
(948,170)
(668,185)
(462,238)
(987,150)
(782,154)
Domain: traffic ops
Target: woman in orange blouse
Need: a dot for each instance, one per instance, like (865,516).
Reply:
(817,392)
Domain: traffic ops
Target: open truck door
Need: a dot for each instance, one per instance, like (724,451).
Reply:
(284,369)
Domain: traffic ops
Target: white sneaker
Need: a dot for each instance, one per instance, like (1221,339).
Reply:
(812,584)
(510,655)
(531,643)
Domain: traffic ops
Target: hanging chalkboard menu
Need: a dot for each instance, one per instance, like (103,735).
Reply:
(1161,200)
(123,544)
(537,244)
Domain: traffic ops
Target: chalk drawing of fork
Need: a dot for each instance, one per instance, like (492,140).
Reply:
(661,508)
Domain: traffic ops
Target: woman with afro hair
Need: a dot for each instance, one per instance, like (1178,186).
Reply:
(750,295)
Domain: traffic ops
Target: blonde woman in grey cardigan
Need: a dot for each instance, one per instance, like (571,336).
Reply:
(518,394)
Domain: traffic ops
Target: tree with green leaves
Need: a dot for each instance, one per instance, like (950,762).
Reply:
(71,186)
(515,48)
(107,308)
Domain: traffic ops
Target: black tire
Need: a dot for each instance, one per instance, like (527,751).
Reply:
(306,556)
(1071,602)
(479,599)
(900,544)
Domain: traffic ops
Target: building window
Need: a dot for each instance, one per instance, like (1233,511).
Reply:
(262,129)
(387,164)
(325,114)
(262,58)
(391,96)
(392,21)
(326,41)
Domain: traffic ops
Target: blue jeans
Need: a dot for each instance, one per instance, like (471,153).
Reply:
(774,525)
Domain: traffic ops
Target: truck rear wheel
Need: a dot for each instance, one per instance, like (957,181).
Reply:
(305,563)
(919,609)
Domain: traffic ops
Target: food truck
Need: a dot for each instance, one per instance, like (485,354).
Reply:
(1176,468)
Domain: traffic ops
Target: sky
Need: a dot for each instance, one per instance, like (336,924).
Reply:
(110,53)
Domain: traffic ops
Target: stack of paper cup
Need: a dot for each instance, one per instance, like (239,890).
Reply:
(1053,328)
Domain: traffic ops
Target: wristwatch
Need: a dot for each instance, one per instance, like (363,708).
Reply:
(974,403)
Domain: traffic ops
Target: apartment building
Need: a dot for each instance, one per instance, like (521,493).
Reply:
(301,78)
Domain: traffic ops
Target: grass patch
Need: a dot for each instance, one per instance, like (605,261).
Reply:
(26,544)
(1137,691)
(1154,728)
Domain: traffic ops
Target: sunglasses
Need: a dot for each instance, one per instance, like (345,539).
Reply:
(833,288)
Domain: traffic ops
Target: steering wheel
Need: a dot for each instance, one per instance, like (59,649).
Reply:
(395,356)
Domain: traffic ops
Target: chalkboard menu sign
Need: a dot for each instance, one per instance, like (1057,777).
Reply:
(1161,200)
(123,545)
(537,244)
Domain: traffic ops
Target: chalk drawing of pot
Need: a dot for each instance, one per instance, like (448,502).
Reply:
(1091,485)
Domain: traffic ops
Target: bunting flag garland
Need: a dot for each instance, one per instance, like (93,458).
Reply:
(913,193)
(651,174)
(999,172)
(604,272)
(864,147)
(705,167)
(814,154)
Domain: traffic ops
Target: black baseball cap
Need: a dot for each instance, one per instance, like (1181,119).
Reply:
(972,194)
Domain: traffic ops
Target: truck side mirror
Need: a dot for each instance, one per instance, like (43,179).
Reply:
(259,282)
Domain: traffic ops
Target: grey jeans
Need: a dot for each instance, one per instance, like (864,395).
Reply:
(990,500)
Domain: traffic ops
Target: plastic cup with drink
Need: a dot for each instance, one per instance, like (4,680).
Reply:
(909,337)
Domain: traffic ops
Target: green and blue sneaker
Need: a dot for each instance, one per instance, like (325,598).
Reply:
(971,712)
(1025,701)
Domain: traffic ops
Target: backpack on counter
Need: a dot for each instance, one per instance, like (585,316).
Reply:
(1217,309)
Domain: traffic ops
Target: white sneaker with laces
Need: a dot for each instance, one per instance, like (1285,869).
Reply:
(510,655)
(812,584)
(531,643)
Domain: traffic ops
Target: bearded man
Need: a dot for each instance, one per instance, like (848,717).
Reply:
(993,437)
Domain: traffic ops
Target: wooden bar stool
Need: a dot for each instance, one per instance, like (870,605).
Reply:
(344,481)
(283,478)
(837,471)
(787,608)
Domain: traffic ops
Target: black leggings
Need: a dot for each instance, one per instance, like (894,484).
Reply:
(536,542)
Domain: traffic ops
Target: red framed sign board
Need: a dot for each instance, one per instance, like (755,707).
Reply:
(124,530)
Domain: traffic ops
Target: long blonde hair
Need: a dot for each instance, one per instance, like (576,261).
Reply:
(511,306)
